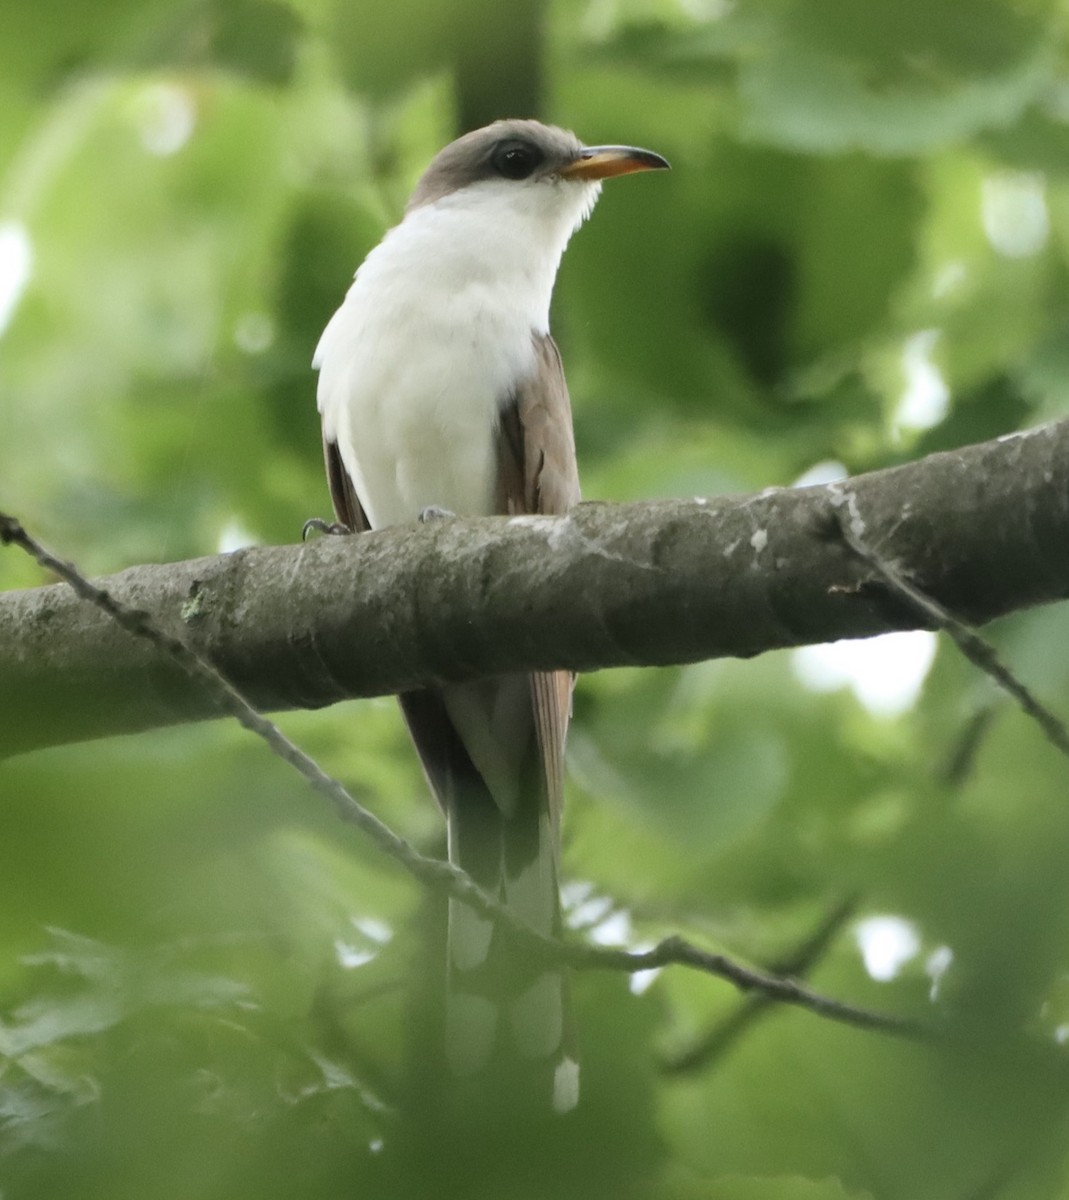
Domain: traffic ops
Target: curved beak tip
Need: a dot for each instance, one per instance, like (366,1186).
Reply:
(603,162)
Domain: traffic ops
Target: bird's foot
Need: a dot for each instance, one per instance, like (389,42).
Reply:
(433,513)
(320,526)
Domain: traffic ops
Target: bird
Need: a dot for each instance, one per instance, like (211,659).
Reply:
(441,392)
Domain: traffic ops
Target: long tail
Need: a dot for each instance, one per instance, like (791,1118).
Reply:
(505,1012)
(508,1016)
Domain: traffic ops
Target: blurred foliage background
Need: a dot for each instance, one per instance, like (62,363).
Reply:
(208,987)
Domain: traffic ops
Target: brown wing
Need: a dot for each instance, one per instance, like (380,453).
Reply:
(347,507)
(537,470)
(538,473)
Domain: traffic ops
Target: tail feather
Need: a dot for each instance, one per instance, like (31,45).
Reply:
(503,1009)
(507,1014)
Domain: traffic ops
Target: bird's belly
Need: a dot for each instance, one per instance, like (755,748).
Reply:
(420,438)
(419,408)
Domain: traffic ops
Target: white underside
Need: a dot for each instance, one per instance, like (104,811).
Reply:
(434,335)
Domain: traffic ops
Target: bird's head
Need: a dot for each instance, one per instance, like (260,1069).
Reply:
(527,168)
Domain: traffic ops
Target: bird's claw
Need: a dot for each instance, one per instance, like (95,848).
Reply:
(320,526)
(433,513)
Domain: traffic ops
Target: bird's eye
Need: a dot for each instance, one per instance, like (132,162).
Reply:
(516,160)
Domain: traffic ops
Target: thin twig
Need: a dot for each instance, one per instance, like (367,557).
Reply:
(797,964)
(431,871)
(676,951)
(978,651)
(959,763)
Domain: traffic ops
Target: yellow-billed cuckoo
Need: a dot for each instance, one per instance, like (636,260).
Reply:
(440,387)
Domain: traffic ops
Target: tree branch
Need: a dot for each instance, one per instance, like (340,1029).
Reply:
(434,872)
(981,530)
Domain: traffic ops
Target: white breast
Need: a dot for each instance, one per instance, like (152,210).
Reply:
(433,336)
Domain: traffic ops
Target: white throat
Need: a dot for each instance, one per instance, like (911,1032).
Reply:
(502,235)
(433,337)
